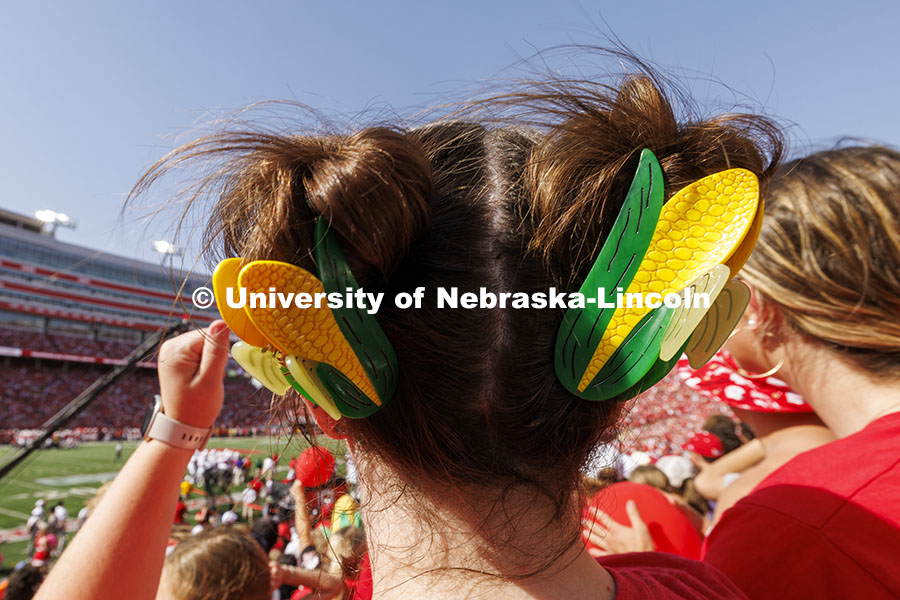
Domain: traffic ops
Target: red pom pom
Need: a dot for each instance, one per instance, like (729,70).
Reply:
(315,466)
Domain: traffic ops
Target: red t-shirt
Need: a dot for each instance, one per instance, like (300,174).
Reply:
(638,576)
(825,525)
(361,588)
(661,576)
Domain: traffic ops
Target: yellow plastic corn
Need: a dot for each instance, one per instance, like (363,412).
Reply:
(701,226)
(309,333)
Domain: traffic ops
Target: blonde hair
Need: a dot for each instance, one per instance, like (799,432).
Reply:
(828,254)
(341,551)
(650,475)
(222,563)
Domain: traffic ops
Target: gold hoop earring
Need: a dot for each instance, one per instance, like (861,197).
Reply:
(768,373)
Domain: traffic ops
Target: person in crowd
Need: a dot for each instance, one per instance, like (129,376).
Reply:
(35,520)
(248,499)
(706,445)
(677,469)
(678,484)
(636,506)
(681,495)
(785,424)
(468,474)
(822,314)
(724,428)
(44,543)
(24,582)
(222,563)
(650,475)
(180,511)
(285,590)
(343,553)
(61,516)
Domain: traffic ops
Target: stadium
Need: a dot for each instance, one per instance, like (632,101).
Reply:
(68,315)
(434,300)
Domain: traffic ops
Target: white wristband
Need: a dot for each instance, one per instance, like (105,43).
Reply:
(175,433)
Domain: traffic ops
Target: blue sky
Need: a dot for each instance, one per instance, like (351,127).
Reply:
(91,95)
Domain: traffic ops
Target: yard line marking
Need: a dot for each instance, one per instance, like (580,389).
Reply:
(12,513)
(25,484)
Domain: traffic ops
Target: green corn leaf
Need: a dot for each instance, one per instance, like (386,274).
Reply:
(615,266)
(365,336)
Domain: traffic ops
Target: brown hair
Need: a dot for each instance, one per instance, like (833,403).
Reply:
(688,491)
(828,255)
(521,203)
(222,563)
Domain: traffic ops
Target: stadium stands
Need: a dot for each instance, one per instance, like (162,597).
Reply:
(66,312)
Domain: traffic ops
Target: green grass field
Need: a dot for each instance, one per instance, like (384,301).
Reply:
(73,476)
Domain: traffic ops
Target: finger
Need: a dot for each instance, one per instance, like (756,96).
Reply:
(596,535)
(590,525)
(185,348)
(602,518)
(698,461)
(634,515)
(214,355)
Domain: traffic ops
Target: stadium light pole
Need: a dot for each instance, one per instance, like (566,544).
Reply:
(55,219)
(166,249)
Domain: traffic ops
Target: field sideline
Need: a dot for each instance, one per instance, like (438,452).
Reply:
(73,476)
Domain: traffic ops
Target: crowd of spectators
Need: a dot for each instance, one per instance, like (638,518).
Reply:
(63,344)
(662,420)
(244,524)
(658,422)
(32,391)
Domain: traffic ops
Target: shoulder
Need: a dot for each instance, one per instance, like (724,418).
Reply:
(763,543)
(846,464)
(657,575)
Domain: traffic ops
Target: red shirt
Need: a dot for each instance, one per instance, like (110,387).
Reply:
(361,588)
(661,576)
(825,525)
(638,576)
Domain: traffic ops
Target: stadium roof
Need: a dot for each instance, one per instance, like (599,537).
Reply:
(29,231)
(7,217)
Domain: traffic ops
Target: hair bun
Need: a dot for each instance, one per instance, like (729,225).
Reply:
(373,187)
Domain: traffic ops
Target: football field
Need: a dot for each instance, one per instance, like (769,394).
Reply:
(74,475)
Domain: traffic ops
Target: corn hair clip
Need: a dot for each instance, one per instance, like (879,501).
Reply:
(339,358)
(693,244)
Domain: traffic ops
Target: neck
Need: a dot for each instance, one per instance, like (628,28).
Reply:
(844,397)
(438,541)
(768,424)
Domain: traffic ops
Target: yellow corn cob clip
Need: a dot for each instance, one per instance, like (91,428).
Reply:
(285,345)
(692,244)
